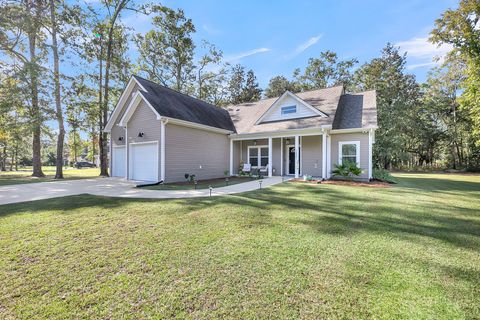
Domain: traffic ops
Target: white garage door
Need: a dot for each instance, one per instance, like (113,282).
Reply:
(144,161)
(118,161)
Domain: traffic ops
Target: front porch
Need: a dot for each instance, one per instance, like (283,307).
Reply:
(285,155)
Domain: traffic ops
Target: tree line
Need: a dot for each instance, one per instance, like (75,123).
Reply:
(69,62)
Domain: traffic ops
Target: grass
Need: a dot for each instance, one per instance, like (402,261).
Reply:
(411,251)
(24,175)
(202,184)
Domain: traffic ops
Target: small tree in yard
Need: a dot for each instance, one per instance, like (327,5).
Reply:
(346,170)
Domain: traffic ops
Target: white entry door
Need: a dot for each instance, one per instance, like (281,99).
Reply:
(118,161)
(144,161)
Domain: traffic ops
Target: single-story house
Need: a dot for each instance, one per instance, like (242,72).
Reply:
(157,133)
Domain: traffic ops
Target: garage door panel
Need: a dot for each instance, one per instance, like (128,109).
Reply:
(118,161)
(144,161)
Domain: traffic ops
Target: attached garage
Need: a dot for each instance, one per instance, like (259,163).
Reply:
(118,161)
(144,161)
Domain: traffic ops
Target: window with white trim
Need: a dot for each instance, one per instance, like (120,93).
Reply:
(258,156)
(289,109)
(349,151)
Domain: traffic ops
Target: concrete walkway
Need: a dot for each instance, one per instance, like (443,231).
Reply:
(114,187)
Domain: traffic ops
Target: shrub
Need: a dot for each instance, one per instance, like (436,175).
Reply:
(190,177)
(383,175)
(346,170)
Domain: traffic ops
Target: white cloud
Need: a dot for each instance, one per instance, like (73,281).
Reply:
(304,46)
(210,29)
(423,53)
(241,55)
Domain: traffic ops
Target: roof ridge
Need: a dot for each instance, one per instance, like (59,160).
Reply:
(181,93)
(295,93)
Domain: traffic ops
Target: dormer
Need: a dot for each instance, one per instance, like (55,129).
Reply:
(288,107)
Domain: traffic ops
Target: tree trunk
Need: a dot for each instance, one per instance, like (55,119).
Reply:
(3,164)
(93,145)
(74,146)
(58,106)
(16,157)
(37,118)
(104,111)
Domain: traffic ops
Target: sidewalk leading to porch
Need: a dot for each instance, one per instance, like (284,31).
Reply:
(116,187)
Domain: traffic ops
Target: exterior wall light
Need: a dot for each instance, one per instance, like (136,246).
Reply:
(141,134)
(120,138)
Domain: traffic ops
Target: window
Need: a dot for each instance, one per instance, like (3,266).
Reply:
(258,156)
(349,151)
(263,157)
(253,156)
(289,109)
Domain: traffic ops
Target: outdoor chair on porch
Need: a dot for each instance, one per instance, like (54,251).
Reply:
(247,168)
(264,170)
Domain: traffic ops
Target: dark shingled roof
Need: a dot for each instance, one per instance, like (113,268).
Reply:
(173,104)
(356,111)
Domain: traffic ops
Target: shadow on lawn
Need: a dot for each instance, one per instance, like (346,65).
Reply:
(437,184)
(336,212)
(324,209)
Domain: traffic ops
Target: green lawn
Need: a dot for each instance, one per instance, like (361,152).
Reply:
(24,175)
(411,251)
(202,184)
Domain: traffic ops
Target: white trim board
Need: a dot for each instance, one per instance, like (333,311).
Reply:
(277,134)
(137,98)
(296,98)
(125,94)
(195,125)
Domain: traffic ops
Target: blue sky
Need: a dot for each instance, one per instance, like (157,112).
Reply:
(275,37)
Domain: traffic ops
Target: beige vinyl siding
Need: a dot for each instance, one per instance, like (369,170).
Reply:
(363,138)
(275,114)
(276,154)
(117,131)
(144,120)
(311,151)
(187,150)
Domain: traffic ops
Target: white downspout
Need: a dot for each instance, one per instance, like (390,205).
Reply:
(162,149)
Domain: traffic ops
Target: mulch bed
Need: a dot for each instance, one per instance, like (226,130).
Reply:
(372,184)
(306,181)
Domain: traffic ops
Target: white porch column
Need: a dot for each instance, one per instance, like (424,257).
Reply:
(270,158)
(281,157)
(324,155)
(297,157)
(162,150)
(329,156)
(370,160)
(231,157)
(127,152)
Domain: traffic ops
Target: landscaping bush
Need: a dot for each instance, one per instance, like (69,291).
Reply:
(383,175)
(346,170)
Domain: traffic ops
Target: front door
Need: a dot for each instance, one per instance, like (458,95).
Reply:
(291,160)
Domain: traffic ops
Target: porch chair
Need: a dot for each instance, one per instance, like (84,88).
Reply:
(264,170)
(247,168)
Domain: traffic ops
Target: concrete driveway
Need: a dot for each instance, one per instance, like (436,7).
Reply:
(114,187)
